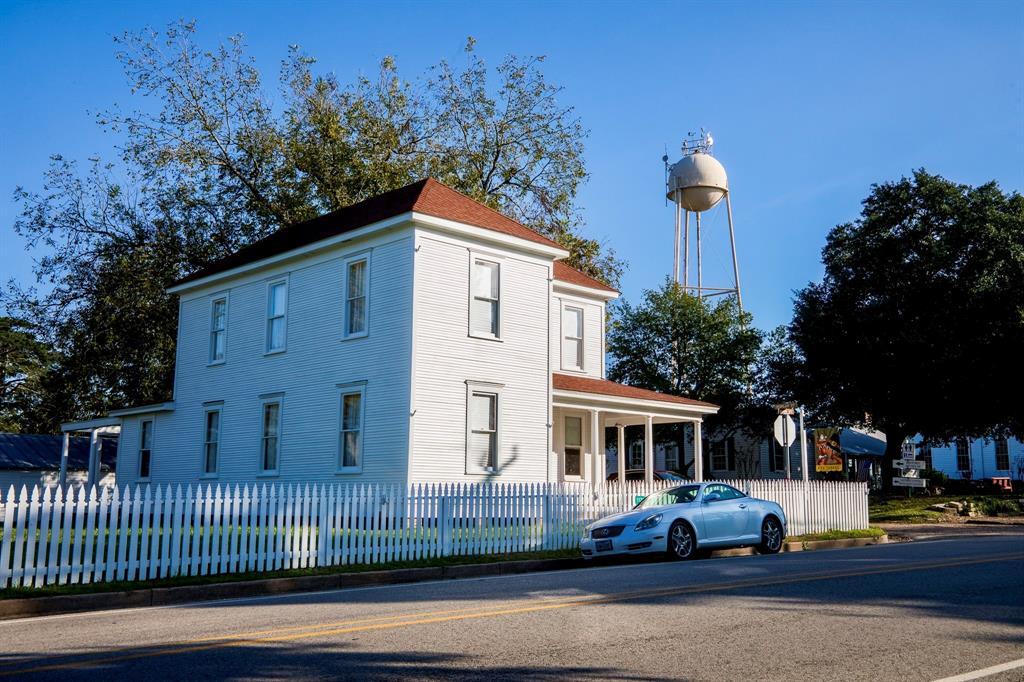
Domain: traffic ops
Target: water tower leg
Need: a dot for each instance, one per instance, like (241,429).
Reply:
(735,260)
(686,250)
(700,273)
(675,258)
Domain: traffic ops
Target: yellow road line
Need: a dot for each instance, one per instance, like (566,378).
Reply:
(529,606)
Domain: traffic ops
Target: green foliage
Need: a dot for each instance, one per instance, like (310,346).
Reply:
(918,324)
(25,364)
(207,166)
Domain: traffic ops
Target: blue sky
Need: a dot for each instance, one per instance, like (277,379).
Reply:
(809,103)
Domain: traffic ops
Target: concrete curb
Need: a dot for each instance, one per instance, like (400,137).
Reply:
(166,596)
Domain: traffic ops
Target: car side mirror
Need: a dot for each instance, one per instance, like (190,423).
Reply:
(712,497)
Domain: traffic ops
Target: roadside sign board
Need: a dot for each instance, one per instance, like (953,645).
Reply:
(907,482)
(908,464)
(785,430)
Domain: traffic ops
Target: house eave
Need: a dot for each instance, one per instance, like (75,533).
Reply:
(610,403)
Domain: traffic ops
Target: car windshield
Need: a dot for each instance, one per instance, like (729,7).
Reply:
(669,476)
(680,495)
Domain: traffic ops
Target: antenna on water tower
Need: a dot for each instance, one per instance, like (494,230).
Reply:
(696,183)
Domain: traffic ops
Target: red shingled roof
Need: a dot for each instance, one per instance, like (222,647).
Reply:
(429,197)
(568,382)
(566,274)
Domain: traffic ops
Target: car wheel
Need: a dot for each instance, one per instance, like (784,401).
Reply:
(771,536)
(682,543)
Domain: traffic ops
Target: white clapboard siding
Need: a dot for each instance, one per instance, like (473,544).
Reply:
(52,536)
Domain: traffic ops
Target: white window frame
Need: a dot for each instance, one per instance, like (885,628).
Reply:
(576,339)
(212,358)
(966,456)
(142,442)
(582,446)
(268,317)
(484,388)
(348,262)
(358,388)
(1005,443)
(264,401)
(474,258)
(207,442)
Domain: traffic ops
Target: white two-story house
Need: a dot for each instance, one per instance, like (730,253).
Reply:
(417,336)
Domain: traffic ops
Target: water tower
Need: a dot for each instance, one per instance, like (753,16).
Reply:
(695,184)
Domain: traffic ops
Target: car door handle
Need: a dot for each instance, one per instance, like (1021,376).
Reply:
(743,506)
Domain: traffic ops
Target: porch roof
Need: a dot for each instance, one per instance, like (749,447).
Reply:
(612,395)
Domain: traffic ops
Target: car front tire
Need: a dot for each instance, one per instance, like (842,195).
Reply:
(682,541)
(771,536)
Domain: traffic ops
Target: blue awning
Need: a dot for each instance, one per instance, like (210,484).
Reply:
(858,443)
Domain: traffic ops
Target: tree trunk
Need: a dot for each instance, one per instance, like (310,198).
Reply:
(893,450)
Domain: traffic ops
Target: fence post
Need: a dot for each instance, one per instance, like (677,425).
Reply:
(444,520)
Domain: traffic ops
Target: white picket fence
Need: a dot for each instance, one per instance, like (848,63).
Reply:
(50,536)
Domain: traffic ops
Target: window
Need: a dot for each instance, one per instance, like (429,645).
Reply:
(350,441)
(211,442)
(145,448)
(636,454)
(572,338)
(218,329)
(672,456)
(270,445)
(277,305)
(1002,454)
(573,446)
(356,296)
(723,455)
(484,314)
(963,456)
(482,429)
(925,452)
(726,492)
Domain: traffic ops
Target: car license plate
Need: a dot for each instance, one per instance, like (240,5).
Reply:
(603,545)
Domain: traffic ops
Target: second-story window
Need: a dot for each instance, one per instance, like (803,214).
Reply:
(277,306)
(356,299)
(572,338)
(218,329)
(485,303)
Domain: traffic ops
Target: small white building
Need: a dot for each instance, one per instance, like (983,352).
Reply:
(31,460)
(417,336)
(977,458)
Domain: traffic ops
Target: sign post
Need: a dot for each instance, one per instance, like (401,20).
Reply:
(784,436)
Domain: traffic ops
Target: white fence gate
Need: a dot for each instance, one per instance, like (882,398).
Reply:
(50,536)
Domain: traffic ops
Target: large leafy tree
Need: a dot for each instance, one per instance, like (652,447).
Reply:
(207,165)
(918,324)
(676,343)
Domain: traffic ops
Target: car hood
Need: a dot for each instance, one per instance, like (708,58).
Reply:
(631,517)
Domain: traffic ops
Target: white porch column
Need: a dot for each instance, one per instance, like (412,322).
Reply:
(620,452)
(596,451)
(94,459)
(649,450)
(62,479)
(698,453)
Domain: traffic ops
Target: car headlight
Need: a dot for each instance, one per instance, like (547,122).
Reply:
(648,523)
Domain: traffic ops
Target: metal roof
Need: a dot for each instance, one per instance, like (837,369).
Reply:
(24,451)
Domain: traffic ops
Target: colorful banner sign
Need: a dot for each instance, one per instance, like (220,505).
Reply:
(827,455)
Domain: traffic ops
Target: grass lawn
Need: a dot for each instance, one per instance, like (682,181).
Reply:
(915,509)
(838,535)
(123,586)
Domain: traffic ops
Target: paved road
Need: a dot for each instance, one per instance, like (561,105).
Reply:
(912,611)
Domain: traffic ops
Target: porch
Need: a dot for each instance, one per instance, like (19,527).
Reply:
(584,407)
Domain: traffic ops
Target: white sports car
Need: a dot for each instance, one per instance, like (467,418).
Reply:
(680,521)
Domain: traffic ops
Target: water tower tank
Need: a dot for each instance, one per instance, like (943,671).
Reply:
(697,182)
